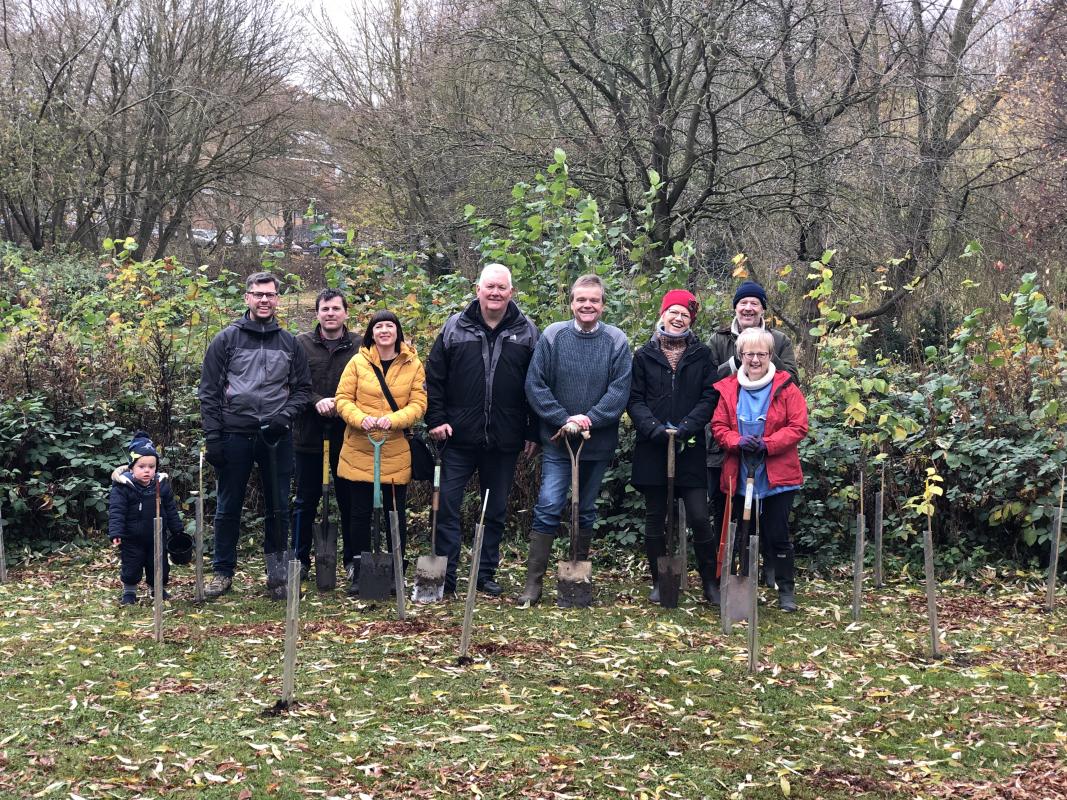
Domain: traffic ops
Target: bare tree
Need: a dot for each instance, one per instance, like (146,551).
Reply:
(149,103)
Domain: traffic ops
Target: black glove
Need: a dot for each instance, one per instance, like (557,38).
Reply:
(216,452)
(659,435)
(275,429)
(685,430)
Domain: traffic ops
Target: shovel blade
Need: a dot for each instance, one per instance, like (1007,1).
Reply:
(575,584)
(670,570)
(375,575)
(429,579)
(325,556)
(739,598)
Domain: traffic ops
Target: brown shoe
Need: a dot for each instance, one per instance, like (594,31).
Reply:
(218,586)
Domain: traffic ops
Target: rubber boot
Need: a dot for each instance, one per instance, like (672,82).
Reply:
(706,555)
(277,565)
(536,564)
(782,565)
(352,575)
(768,572)
(655,547)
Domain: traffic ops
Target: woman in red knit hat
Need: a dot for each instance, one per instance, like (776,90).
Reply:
(671,388)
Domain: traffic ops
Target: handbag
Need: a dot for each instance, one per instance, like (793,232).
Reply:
(422,464)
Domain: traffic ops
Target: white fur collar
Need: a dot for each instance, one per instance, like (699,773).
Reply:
(743,379)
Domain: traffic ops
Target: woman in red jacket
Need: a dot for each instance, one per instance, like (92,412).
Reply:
(760,418)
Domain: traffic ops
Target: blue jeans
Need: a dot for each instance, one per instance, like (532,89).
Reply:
(555,484)
(242,451)
(496,471)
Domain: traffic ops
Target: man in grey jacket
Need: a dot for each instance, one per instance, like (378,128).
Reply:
(254,382)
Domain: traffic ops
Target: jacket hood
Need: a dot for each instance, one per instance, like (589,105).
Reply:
(123,476)
(245,322)
(472,315)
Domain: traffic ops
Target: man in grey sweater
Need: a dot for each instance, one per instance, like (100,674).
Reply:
(580,373)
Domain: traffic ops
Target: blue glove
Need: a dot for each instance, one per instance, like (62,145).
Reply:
(752,444)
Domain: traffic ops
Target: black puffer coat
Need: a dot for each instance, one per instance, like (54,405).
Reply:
(131,509)
(684,397)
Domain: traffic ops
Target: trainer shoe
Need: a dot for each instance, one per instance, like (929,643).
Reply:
(218,585)
(128,597)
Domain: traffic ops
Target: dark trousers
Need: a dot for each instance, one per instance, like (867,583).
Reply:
(243,450)
(716,502)
(774,534)
(361,513)
(496,471)
(695,499)
(306,510)
(138,558)
(696,511)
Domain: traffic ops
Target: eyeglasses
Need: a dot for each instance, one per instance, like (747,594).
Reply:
(754,356)
(263,295)
(681,313)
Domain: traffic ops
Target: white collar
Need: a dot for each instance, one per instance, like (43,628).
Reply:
(743,379)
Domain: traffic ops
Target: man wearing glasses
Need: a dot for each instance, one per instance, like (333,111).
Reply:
(254,382)
(750,305)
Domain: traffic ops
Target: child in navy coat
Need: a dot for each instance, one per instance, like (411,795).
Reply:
(131,515)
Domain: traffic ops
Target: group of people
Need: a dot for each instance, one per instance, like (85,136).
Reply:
(494,389)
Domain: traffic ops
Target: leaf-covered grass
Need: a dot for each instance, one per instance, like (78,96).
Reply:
(622,700)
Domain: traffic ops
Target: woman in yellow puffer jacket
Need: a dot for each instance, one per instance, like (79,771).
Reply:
(364,407)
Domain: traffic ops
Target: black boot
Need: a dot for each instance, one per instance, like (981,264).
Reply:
(536,564)
(784,573)
(707,555)
(277,565)
(655,546)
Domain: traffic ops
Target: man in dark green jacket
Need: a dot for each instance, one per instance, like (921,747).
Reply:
(328,349)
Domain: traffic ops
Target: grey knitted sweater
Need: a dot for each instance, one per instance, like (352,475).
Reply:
(580,373)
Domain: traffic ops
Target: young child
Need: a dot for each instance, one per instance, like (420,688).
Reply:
(131,515)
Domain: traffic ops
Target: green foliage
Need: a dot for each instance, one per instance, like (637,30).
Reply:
(50,474)
(96,347)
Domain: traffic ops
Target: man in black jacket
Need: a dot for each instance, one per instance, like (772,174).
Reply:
(477,404)
(328,349)
(254,382)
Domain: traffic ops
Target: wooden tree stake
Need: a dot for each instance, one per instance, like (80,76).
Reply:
(857,567)
(1053,559)
(3,557)
(727,581)
(198,550)
(292,633)
(931,585)
(157,578)
(683,544)
(753,610)
(879,575)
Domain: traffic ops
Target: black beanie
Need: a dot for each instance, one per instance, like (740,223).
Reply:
(141,445)
(750,289)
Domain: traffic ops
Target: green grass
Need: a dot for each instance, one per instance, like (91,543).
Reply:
(622,700)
